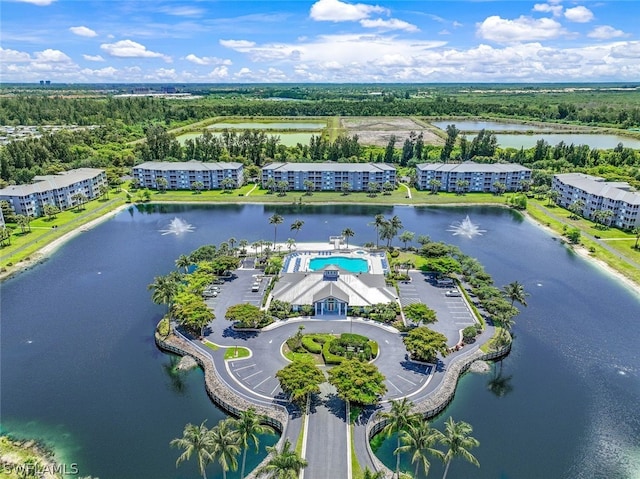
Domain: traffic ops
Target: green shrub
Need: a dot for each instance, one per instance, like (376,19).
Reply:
(311,344)
(329,357)
(469,333)
(374,348)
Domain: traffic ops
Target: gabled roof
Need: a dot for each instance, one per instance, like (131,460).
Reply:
(331,290)
(191,165)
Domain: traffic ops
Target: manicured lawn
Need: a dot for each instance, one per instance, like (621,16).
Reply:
(236,352)
(616,239)
(44,231)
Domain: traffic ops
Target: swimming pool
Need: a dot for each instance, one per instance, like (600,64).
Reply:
(353,265)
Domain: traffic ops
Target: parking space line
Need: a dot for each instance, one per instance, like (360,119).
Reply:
(405,379)
(395,387)
(262,382)
(251,375)
(243,367)
(274,389)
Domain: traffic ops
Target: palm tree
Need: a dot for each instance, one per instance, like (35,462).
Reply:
(183,261)
(458,441)
(225,445)
(348,233)
(297,226)
(398,418)
(378,222)
(248,427)
(369,474)
(418,439)
(275,220)
(515,292)
(290,243)
(308,186)
(164,290)
(636,232)
(242,244)
(232,241)
(195,439)
(285,464)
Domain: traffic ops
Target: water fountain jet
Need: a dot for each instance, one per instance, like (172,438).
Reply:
(177,226)
(466,228)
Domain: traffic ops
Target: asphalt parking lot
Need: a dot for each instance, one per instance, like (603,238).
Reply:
(235,291)
(452,312)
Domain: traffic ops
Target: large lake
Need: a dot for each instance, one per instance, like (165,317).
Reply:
(547,133)
(79,366)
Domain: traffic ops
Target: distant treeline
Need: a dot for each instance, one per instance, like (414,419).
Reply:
(38,110)
(106,148)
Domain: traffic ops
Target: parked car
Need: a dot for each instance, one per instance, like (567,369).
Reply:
(209,293)
(453,293)
(255,287)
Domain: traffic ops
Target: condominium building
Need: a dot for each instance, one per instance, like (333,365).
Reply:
(481,177)
(64,190)
(598,194)
(183,175)
(328,176)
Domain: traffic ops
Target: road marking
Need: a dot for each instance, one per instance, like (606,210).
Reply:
(251,375)
(262,382)
(395,387)
(270,341)
(405,379)
(274,389)
(386,341)
(243,367)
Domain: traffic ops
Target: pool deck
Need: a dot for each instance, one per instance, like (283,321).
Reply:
(300,257)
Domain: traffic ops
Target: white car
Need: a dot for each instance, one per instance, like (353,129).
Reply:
(453,293)
(255,287)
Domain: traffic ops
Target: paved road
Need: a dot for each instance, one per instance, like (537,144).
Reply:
(328,451)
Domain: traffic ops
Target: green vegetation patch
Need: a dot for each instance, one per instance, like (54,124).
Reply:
(236,352)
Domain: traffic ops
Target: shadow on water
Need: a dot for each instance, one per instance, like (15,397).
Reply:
(177,377)
(500,384)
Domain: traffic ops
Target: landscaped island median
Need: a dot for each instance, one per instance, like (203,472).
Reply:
(331,295)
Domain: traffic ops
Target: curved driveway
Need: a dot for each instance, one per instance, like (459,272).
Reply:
(254,377)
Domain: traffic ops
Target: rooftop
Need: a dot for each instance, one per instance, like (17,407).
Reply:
(52,182)
(330,166)
(192,165)
(471,167)
(595,185)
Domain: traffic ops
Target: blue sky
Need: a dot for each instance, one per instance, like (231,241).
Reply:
(323,41)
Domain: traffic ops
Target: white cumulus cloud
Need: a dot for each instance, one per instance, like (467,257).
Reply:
(52,56)
(131,49)
(337,11)
(40,3)
(626,50)
(13,56)
(83,31)
(522,29)
(578,14)
(93,58)
(239,45)
(207,60)
(605,32)
(219,73)
(391,24)
(556,10)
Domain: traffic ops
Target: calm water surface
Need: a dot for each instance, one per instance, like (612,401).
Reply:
(603,142)
(469,125)
(79,367)
(281,125)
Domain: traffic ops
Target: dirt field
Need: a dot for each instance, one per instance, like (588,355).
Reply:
(378,130)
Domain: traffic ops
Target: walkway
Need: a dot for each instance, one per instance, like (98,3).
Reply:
(408,190)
